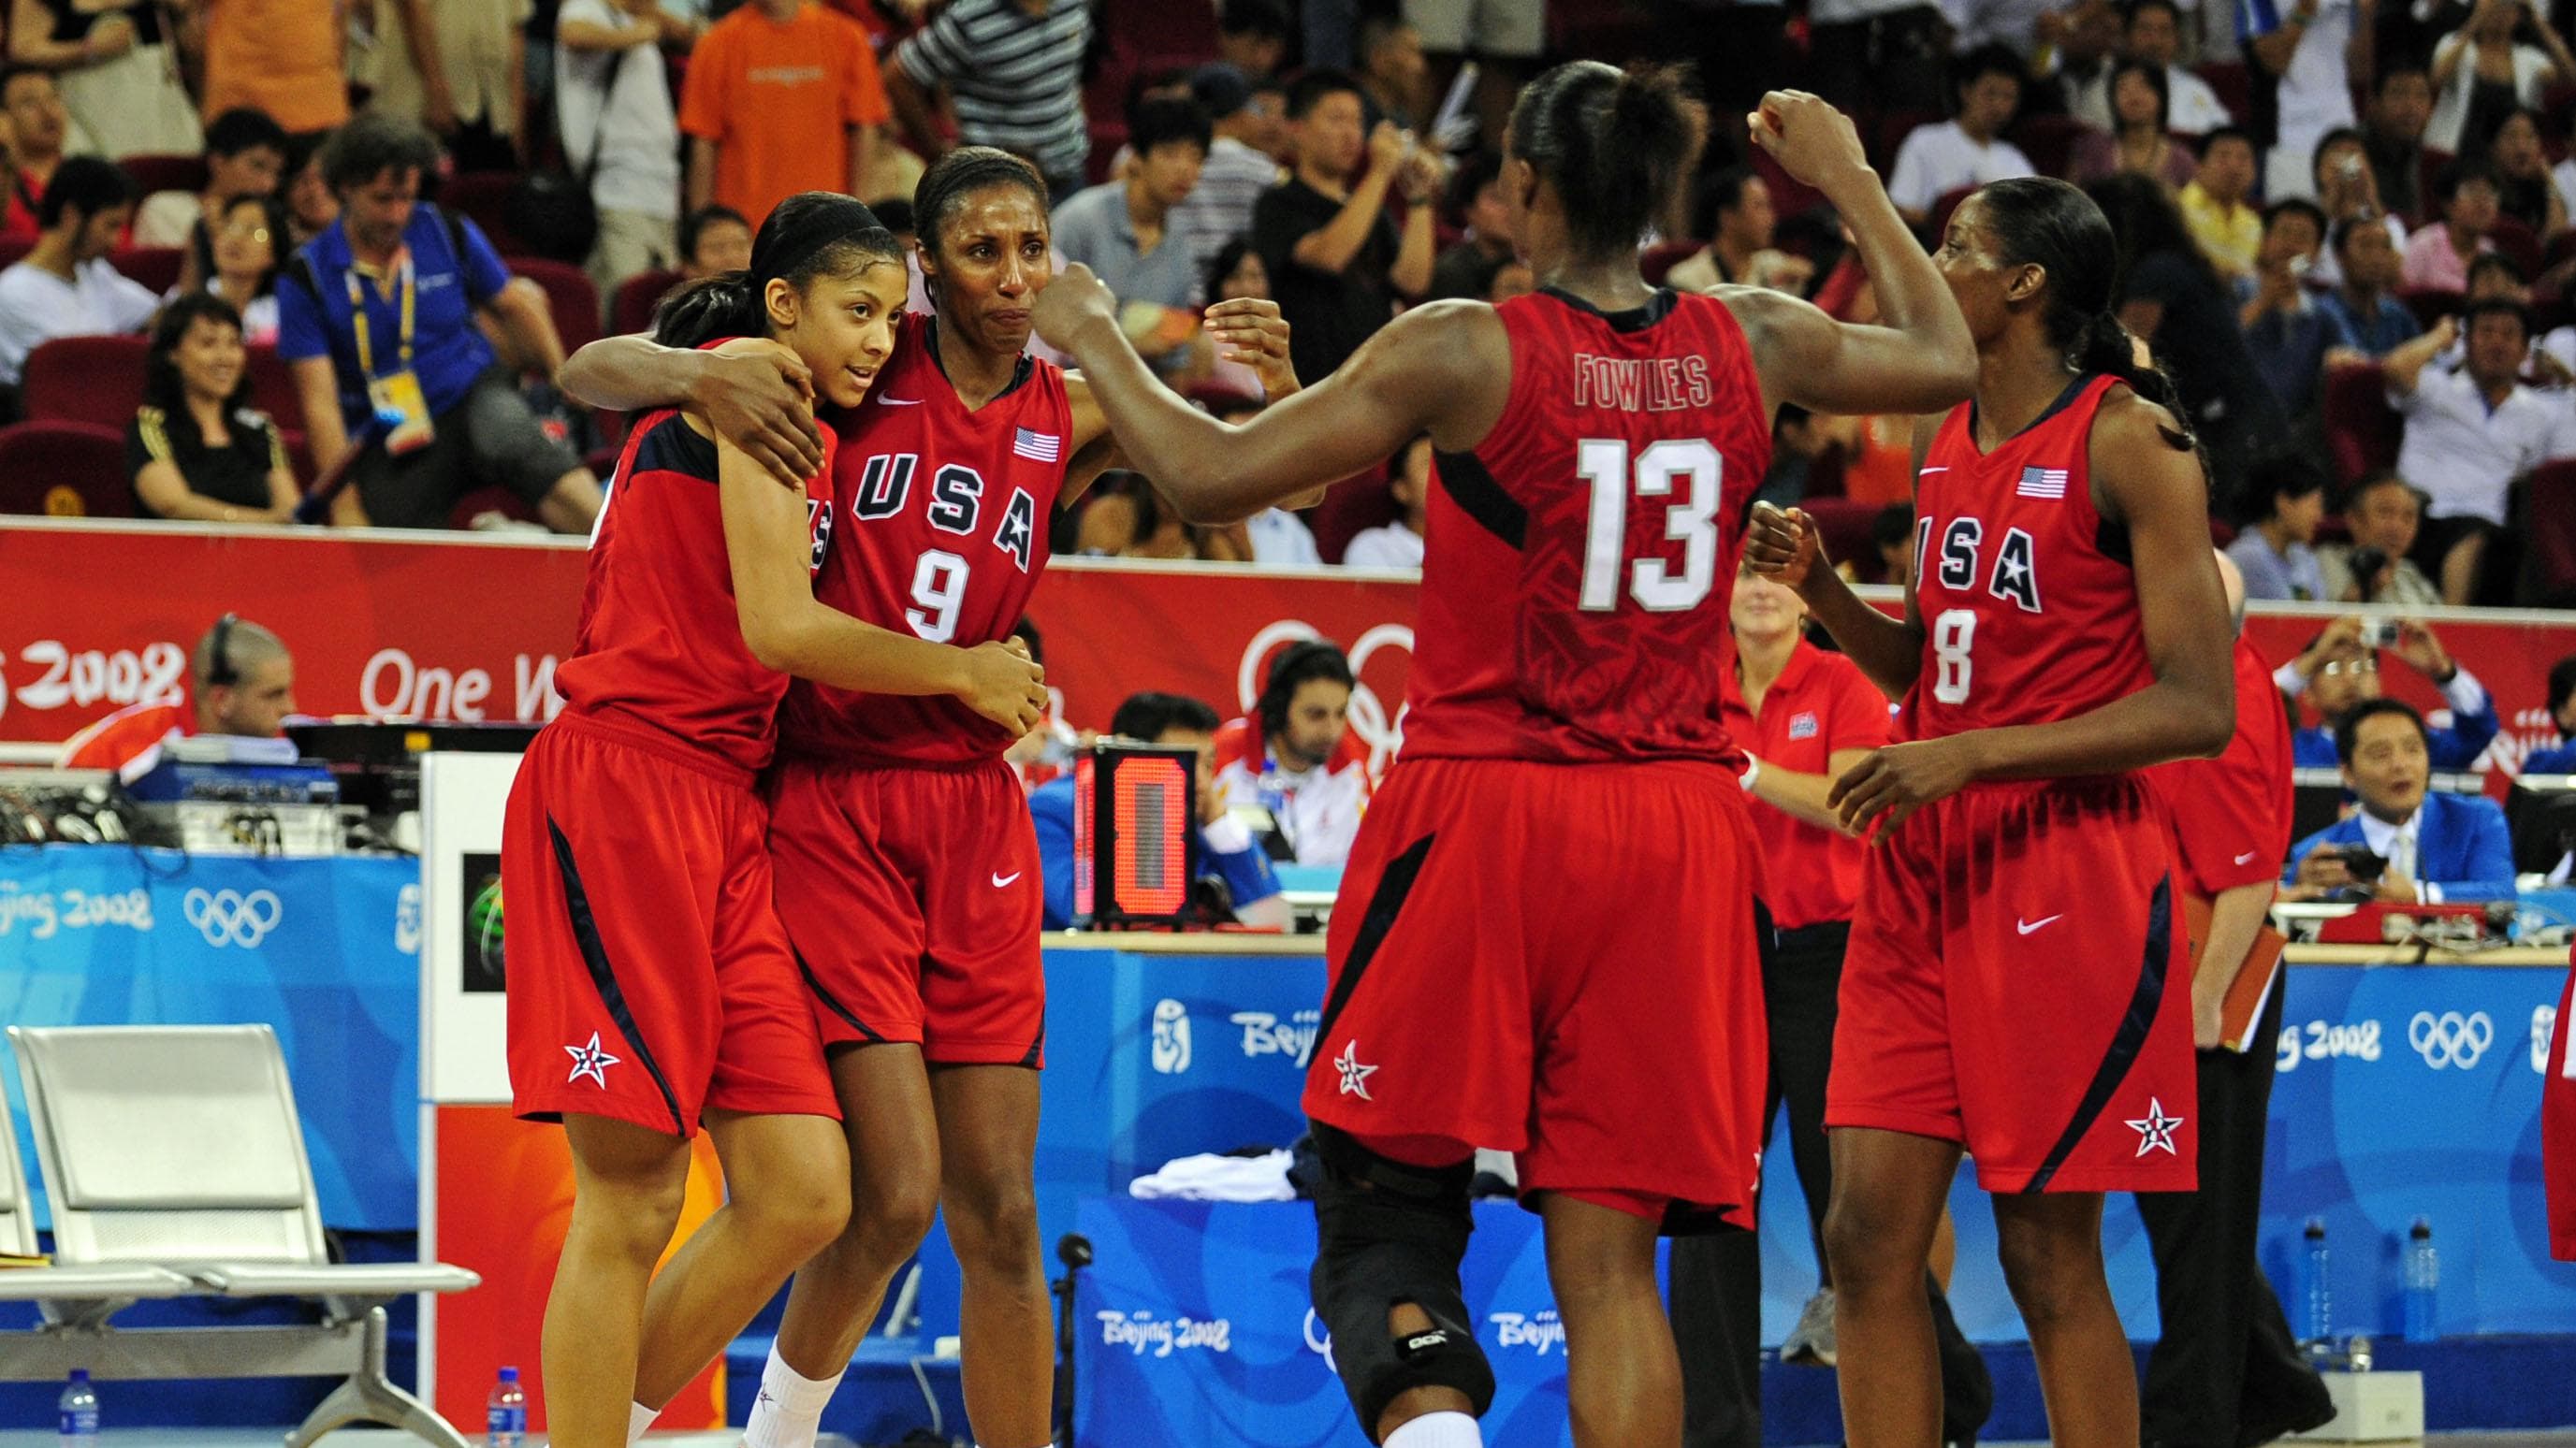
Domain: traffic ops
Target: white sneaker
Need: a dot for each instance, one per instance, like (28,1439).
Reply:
(1812,1340)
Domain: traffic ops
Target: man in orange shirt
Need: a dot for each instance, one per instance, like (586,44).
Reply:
(783,96)
(244,685)
(278,56)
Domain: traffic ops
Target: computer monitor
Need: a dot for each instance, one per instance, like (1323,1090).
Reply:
(2542,812)
(1135,812)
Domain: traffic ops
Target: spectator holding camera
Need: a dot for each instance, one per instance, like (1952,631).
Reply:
(196,450)
(2405,845)
(1336,263)
(1222,846)
(2339,672)
(2382,516)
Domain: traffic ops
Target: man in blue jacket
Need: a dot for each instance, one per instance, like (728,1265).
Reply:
(2339,671)
(2559,758)
(2438,847)
(1225,847)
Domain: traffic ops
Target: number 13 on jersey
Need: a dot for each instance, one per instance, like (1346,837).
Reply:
(1684,470)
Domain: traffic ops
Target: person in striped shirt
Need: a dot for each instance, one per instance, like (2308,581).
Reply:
(1012,70)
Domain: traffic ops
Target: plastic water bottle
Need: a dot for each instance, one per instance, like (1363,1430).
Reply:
(2320,1323)
(79,1405)
(505,1413)
(2423,1274)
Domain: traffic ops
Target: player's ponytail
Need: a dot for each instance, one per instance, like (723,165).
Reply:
(1613,143)
(808,235)
(2056,227)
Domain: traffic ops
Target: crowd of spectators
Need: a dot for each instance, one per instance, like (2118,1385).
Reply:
(2344,223)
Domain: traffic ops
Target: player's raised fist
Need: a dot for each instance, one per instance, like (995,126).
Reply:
(1810,139)
(1780,544)
(1073,298)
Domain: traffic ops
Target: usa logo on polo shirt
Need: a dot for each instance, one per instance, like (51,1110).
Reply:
(1803,726)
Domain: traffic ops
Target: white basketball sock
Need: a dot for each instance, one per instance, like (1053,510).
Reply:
(1437,1430)
(638,1419)
(789,1410)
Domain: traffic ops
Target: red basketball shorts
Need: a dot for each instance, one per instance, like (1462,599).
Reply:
(2558,1129)
(1560,961)
(912,896)
(2019,981)
(649,979)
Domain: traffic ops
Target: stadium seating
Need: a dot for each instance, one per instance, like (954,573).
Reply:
(64,470)
(1350,507)
(2549,539)
(272,386)
(483,197)
(2362,431)
(2048,140)
(569,295)
(166,173)
(69,1294)
(1662,257)
(156,267)
(85,379)
(631,310)
(2431,304)
(178,1148)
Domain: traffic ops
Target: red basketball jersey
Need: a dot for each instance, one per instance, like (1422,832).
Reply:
(2232,814)
(2030,609)
(944,533)
(1581,559)
(660,642)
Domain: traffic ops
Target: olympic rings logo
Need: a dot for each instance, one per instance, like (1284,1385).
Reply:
(2450,1039)
(229,917)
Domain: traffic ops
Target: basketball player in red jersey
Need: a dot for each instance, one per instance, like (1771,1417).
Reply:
(1547,938)
(2017,981)
(906,863)
(650,984)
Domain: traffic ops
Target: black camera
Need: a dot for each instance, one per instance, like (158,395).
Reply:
(2364,864)
(2366,563)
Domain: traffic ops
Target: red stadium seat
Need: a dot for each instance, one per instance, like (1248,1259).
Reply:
(2549,540)
(1943,206)
(2221,532)
(1889,137)
(2428,175)
(64,470)
(483,197)
(272,387)
(156,267)
(631,310)
(13,250)
(1350,507)
(2431,304)
(569,295)
(2517,240)
(2561,248)
(1660,259)
(166,173)
(1789,195)
(2049,141)
(2362,431)
(2234,85)
(96,380)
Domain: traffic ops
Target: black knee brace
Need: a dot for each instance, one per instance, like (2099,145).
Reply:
(1388,1233)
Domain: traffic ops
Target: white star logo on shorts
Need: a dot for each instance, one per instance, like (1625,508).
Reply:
(2156,1130)
(591,1061)
(1354,1075)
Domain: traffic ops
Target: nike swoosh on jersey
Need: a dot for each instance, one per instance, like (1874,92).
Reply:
(900,401)
(2241,859)
(2027,926)
(1003,882)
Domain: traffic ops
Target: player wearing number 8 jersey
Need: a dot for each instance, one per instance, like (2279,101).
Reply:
(1546,937)
(2017,980)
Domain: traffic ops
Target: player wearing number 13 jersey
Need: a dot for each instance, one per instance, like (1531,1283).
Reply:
(1546,938)
(2017,980)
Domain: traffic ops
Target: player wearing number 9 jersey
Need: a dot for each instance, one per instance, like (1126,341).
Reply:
(2017,980)
(906,864)
(1546,937)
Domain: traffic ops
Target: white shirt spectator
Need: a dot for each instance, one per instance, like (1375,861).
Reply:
(1318,811)
(2006,22)
(2315,97)
(2327,272)
(2564,175)
(635,134)
(1839,12)
(2451,107)
(1939,159)
(2463,456)
(1279,540)
(2191,107)
(36,306)
(1391,546)
(1219,208)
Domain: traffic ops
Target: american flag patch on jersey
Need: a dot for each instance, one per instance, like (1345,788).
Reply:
(2042,483)
(1046,447)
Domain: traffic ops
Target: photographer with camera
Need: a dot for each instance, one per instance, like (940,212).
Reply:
(2339,672)
(2404,845)
(2382,514)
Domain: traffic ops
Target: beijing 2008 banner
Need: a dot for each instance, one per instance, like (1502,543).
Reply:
(449,626)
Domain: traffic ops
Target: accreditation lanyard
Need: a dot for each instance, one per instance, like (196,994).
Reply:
(406,281)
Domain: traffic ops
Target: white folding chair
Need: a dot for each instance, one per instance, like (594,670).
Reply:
(179,1147)
(69,1297)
